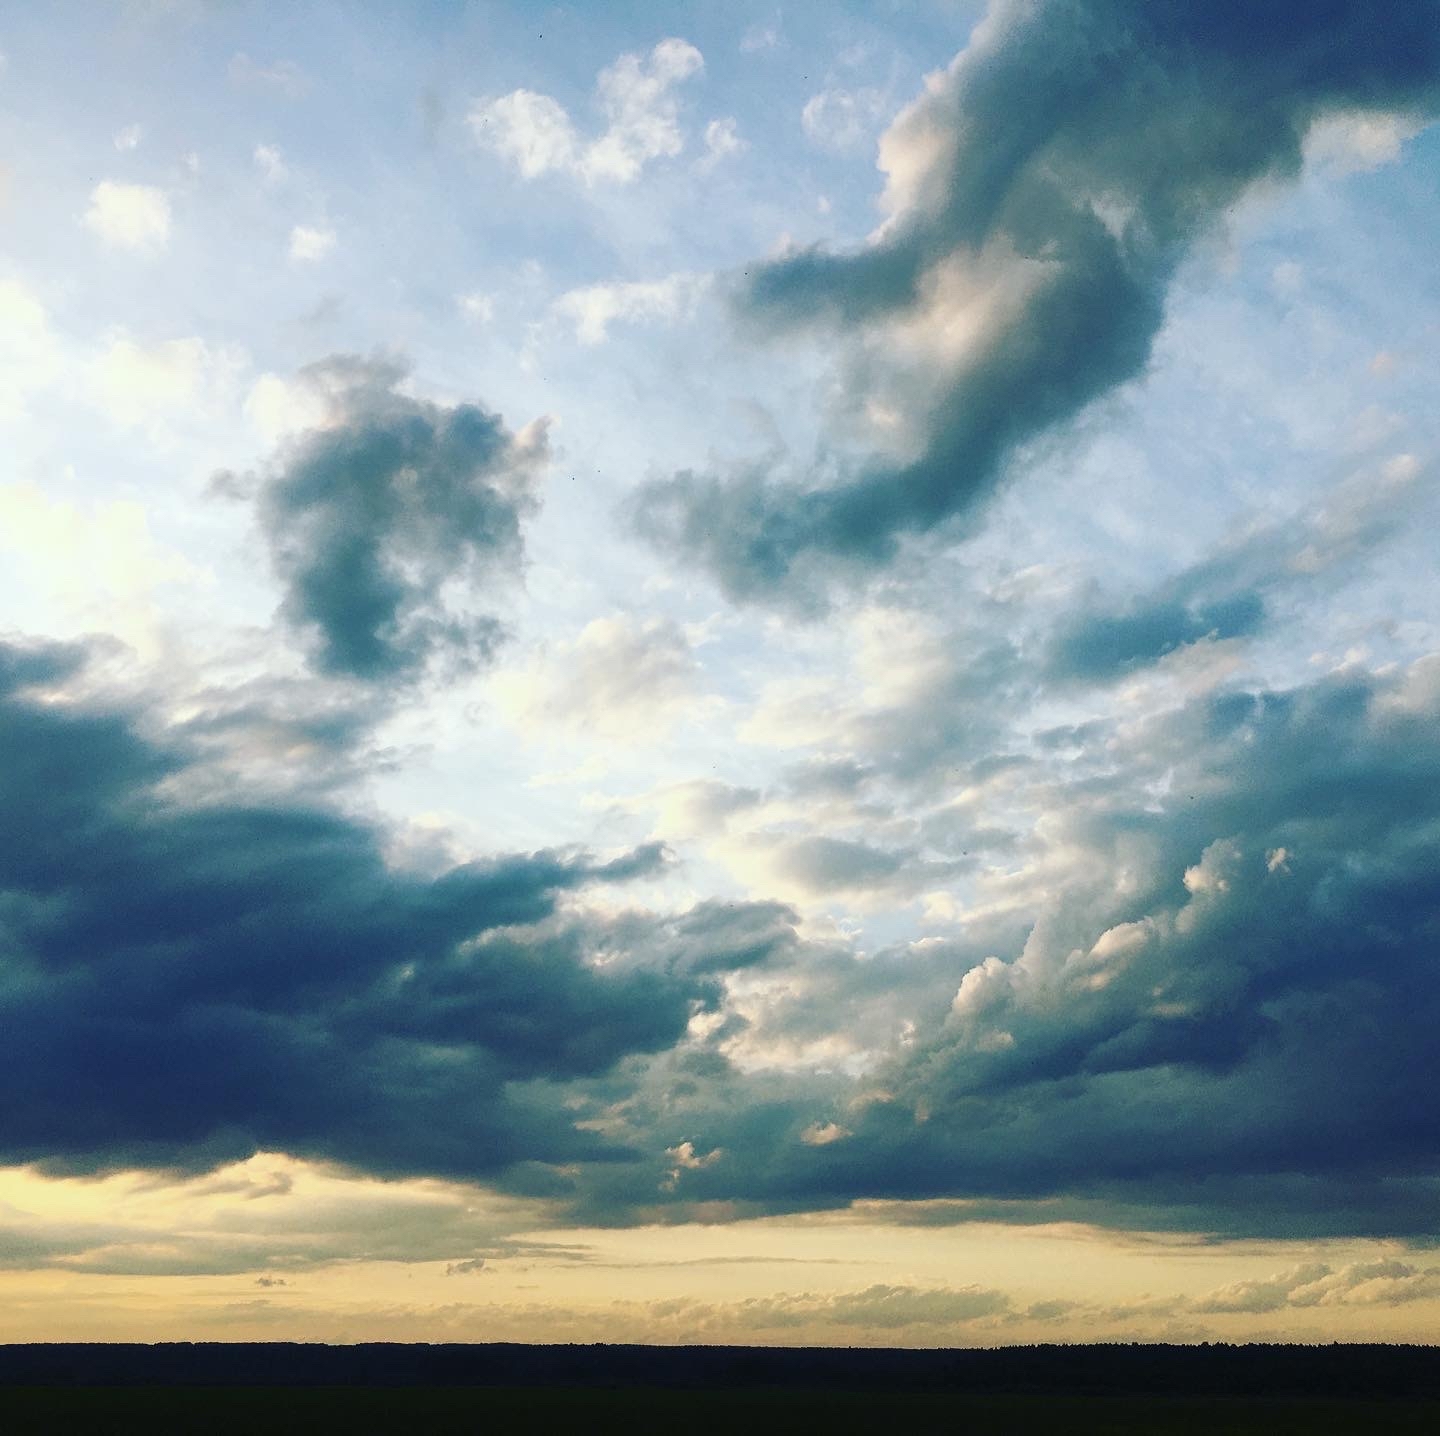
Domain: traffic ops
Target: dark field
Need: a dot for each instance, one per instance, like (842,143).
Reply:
(456,1409)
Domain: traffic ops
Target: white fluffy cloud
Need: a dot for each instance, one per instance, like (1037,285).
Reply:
(144,385)
(271,163)
(29,351)
(594,308)
(1358,141)
(722,138)
(308,244)
(842,119)
(622,679)
(636,94)
(129,216)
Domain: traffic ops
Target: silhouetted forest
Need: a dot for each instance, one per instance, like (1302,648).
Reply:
(1408,1372)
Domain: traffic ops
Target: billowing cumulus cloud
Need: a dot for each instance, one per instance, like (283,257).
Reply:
(388,522)
(129,216)
(1029,244)
(1376,1283)
(1256,948)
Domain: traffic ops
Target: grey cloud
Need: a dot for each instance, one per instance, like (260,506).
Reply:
(466,1267)
(879,1306)
(1051,181)
(1228,593)
(187,980)
(822,864)
(385,525)
(1236,1039)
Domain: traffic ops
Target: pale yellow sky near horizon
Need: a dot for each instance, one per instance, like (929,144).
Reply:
(279,1249)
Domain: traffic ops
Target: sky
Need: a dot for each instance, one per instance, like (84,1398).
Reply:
(749,673)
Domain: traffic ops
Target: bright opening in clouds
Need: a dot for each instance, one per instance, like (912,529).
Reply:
(720,675)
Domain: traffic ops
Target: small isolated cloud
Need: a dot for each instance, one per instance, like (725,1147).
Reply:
(271,1281)
(283,76)
(593,309)
(622,678)
(842,120)
(1352,143)
(722,138)
(138,384)
(822,1134)
(465,1268)
(760,37)
(29,351)
(271,163)
(128,138)
(129,216)
(308,244)
(388,523)
(477,307)
(636,95)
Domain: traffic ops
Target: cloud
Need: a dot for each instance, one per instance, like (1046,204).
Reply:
(128,138)
(722,139)
(308,244)
(593,309)
(636,96)
(1169,1028)
(1376,1283)
(97,563)
(374,518)
(282,76)
(146,385)
(1354,143)
(280,407)
(622,679)
(880,1306)
(129,216)
(193,976)
(842,120)
(265,1215)
(30,354)
(1226,594)
(1027,251)
(271,164)
(477,307)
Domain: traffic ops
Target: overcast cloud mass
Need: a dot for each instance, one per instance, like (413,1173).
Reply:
(799,650)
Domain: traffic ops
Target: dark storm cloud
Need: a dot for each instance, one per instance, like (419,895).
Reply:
(1239,1036)
(1043,192)
(185,980)
(385,524)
